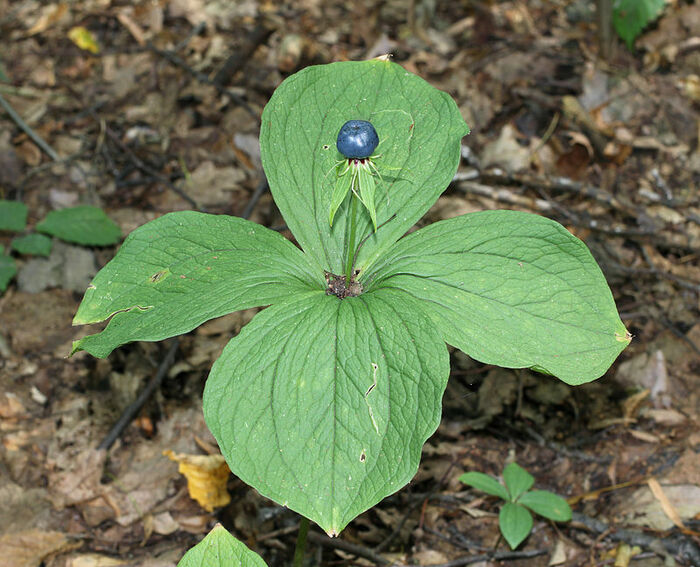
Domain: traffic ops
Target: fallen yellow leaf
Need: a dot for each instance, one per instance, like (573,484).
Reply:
(83,38)
(206,478)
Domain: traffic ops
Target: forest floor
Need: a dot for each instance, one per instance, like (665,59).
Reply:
(164,115)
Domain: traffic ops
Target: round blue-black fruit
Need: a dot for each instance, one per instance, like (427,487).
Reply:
(357,139)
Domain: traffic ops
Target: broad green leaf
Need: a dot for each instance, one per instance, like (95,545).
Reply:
(85,225)
(419,130)
(13,215)
(547,504)
(515,523)
(182,269)
(323,405)
(8,269)
(517,480)
(220,549)
(485,483)
(36,244)
(510,288)
(630,17)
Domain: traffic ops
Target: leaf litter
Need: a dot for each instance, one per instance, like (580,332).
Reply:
(608,149)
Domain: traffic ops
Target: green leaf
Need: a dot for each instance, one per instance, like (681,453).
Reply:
(13,215)
(220,549)
(36,244)
(368,188)
(85,225)
(517,480)
(342,187)
(323,405)
(419,130)
(547,504)
(8,269)
(182,269)
(485,483)
(515,523)
(630,17)
(512,289)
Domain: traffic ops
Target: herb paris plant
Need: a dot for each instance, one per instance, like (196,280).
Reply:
(325,398)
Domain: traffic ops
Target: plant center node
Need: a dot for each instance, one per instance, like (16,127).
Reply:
(338,286)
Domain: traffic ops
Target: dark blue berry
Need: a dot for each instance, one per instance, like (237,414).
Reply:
(357,139)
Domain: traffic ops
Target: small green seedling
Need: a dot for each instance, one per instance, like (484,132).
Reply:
(630,17)
(85,225)
(515,519)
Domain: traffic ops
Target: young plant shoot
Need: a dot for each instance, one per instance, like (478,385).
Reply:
(324,400)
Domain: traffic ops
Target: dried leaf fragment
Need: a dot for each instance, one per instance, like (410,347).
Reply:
(206,478)
(83,38)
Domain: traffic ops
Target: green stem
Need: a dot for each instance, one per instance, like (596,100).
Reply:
(351,242)
(301,542)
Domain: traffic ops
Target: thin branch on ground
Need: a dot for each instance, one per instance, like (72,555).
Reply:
(355,549)
(397,529)
(260,190)
(235,62)
(679,545)
(38,140)
(498,556)
(140,164)
(202,78)
(134,407)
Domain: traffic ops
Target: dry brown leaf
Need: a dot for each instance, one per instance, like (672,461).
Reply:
(10,406)
(94,560)
(641,508)
(50,16)
(631,405)
(80,482)
(668,508)
(31,547)
(506,152)
(559,554)
(644,436)
(206,476)
(134,29)
(690,86)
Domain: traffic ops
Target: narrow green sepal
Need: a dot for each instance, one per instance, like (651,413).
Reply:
(342,188)
(367,189)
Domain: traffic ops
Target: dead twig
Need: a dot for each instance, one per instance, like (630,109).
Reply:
(498,556)
(202,78)
(235,62)
(381,546)
(678,545)
(38,140)
(458,540)
(355,549)
(134,407)
(140,164)
(260,190)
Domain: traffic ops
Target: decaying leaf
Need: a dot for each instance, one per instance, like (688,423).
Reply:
(31,547)
(206,478)
(83,38)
